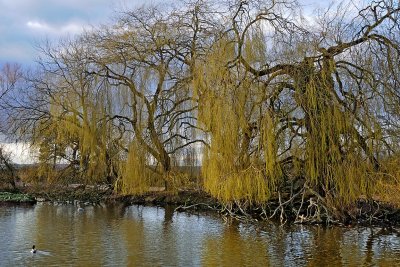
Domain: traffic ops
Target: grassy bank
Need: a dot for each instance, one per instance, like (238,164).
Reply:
(93,195)
(10,197)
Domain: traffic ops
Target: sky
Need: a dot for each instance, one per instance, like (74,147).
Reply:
(26,23)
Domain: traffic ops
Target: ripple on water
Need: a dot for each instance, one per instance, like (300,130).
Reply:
(149,236)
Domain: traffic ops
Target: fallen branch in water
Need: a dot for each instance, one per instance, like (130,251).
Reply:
(184,207)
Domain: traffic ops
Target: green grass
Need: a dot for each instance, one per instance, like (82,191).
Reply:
(15,197)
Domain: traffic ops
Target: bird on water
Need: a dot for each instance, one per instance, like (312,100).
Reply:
(33,250)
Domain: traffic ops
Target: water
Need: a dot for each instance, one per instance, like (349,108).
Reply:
(151,236)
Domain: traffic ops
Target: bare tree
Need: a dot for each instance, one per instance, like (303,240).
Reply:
(11,76)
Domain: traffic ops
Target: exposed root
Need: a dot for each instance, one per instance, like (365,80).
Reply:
(304,206)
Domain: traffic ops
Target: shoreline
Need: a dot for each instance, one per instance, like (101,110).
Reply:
(363,213)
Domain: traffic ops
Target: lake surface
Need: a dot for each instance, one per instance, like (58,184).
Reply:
(150,236)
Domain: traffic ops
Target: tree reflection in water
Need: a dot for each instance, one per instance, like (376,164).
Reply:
(149,236)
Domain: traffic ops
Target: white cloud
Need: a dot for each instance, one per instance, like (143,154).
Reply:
(38,25)
(68,28)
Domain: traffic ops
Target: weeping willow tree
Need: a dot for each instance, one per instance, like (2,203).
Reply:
(284,103)
(148,54)
(235,106)
(336,159)
(240,163)
(64,115)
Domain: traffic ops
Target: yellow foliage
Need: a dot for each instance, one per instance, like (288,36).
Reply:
(135,175)
(230,173)
(388,181)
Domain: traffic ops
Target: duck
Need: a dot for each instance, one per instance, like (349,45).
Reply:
(33,250)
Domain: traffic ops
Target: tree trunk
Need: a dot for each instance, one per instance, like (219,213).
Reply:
(166,163)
